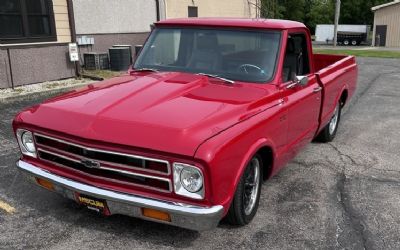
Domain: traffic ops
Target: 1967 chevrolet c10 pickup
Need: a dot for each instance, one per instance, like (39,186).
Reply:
(210,109)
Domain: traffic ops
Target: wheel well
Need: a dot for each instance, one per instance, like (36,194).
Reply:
(343,98)
(267,160)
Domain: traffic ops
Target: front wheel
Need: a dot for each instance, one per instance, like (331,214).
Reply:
(328,133)
(245,202)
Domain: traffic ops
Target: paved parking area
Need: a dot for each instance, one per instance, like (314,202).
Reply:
(341,195)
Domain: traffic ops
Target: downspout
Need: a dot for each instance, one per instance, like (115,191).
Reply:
(161,10)
(71,18)
(158,10)
(10,68)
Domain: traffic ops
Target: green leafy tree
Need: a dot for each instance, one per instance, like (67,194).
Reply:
(293,9)
(358,11)
(319,12)
(313,12)
(271,9)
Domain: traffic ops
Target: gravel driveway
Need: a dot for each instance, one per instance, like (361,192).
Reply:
(345,194)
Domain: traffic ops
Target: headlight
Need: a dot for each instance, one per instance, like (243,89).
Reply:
(191,179)
(26,143)
(188,181)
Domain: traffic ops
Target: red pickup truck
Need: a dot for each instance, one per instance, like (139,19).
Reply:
(210,110)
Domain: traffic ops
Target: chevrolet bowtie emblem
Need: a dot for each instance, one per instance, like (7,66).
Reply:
(90,163)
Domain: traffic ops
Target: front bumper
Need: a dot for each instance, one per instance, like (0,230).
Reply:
(182,215)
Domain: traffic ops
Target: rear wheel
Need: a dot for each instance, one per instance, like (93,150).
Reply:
(346,42)
(354,42)
(245,202)
(328,133)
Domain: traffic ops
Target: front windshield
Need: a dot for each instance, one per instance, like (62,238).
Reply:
(240,55)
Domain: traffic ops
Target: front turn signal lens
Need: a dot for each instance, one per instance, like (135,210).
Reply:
(46,184)
(156,214)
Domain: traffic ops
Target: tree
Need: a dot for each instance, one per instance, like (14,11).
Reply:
(313,12)
(358,11)
(271,9)
(319,12)
(293,9)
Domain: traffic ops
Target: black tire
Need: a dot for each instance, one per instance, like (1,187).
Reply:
(327,134)
(354,42)
(346,42)
(240,213)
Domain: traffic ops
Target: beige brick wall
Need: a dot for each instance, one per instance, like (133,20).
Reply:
(62,21)
(211,8)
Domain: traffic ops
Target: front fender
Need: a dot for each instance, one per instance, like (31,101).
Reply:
(260,143)
(228,153)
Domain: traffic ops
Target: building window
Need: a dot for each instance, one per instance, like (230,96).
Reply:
(25,21)
(192,11)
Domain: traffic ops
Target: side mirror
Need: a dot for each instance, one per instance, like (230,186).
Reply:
(298,80)
(302,80)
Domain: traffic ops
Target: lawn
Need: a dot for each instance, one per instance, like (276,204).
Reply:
(360,53)
(105,74)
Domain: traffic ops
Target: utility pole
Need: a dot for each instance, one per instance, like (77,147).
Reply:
(337,14)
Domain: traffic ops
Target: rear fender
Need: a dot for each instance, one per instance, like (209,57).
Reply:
(330,114)
(344,88)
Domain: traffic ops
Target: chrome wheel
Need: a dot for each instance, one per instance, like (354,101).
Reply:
(251,186)
(334,121)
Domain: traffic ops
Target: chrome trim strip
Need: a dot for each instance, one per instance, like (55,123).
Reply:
(110,169)
(109,152)
(58,155)
(182,215)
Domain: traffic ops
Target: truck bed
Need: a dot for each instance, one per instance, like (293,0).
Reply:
(334,71)
(322,61)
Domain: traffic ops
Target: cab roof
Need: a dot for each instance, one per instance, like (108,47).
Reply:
(234,22)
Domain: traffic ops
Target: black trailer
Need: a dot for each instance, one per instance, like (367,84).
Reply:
(351,38)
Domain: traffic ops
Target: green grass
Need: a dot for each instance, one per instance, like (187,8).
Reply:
(360,53)
(105,74)
(52,85)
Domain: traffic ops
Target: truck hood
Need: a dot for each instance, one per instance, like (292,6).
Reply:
(166,111)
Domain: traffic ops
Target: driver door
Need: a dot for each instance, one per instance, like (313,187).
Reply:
(302,101)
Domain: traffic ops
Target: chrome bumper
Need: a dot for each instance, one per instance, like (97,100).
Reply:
(182,215)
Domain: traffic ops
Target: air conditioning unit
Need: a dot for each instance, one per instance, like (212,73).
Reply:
(120,58)
(94,61)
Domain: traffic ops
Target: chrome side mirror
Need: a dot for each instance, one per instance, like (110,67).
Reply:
(302,80)
(298,80)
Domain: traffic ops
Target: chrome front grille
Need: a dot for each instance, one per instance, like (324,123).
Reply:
(109,165)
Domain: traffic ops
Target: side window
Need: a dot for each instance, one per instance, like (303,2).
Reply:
(296,62)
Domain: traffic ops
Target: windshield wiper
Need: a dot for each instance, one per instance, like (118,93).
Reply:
(145,69)
(217,77)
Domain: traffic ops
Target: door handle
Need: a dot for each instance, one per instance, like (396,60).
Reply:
(317,89)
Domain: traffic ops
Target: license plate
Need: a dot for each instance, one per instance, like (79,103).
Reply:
(92,203)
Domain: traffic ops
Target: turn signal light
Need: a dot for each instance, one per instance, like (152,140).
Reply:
(46,184)
(156,214)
